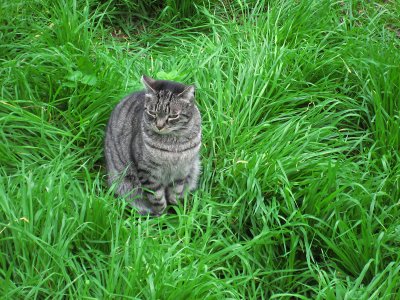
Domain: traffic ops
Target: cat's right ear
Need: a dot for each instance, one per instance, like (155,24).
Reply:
(149,84)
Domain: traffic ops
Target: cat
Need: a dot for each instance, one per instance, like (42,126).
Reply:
(152,145)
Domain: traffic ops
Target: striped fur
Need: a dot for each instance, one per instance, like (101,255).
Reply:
(152,145)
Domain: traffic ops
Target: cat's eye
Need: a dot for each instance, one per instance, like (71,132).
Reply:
(173,117)
(151,113)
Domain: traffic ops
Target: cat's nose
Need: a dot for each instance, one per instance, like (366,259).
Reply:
(160,125)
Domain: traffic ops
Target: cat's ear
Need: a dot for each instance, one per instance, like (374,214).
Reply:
(149,84)
(188,93)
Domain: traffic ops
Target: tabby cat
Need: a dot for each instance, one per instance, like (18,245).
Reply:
(152,145)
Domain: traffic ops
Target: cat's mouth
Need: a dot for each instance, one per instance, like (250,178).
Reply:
(162,131)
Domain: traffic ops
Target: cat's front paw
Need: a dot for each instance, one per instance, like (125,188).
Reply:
(172,199)
(158,210)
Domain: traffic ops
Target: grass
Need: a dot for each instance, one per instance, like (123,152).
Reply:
(299,196)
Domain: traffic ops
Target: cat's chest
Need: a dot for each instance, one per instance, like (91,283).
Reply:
(170,163)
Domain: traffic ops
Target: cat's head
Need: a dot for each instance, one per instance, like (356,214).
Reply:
(169,105)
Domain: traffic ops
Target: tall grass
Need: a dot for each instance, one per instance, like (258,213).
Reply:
(301,169)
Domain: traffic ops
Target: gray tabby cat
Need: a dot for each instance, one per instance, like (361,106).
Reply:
(152,145)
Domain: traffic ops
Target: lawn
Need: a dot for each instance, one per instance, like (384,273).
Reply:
(300,189)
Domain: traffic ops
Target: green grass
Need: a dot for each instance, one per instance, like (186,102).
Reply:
(299,196)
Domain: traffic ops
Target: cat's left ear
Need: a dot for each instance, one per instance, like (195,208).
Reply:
(188,93)
(149,84)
